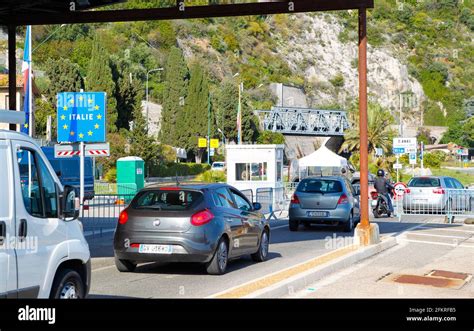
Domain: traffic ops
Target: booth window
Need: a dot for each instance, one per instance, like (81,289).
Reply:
(251,171)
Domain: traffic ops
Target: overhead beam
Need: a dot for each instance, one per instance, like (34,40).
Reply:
(189,12)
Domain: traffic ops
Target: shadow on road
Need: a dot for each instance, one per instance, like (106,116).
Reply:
(187,268)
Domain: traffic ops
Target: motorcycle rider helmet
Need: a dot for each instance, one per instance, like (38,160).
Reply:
(380,173)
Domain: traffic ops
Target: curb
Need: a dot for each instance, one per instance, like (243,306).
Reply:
(300,281)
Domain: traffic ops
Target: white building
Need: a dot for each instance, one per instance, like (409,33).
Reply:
(254,166)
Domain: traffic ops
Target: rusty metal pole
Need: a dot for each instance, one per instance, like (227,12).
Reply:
(12,71)
(364,161)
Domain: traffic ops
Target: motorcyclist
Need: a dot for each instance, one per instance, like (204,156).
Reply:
(383,187)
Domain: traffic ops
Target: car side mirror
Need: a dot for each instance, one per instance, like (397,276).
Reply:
(70,204)
(257,206)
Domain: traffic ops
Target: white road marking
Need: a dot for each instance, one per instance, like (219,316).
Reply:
(437,235)
(435,243)
(445,229)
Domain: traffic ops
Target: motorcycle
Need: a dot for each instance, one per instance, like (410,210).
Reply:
(379,205)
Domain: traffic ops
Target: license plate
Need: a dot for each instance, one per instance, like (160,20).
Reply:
(155,249)
(317,213)
(420,200)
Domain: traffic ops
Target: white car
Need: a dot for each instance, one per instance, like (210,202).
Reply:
(43,252)
(218,166)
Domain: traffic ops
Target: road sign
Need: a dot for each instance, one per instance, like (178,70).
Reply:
(81,116)
(408,144)
(397,166)
(211,152)
(202,142)
(378,151)
(400,189)
(92,150)
(398,150)
(214,143)
(412,158)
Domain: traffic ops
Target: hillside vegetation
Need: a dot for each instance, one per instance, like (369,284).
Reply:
(433,38)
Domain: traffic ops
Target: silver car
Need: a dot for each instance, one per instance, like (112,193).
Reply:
(429,194)
(329,200)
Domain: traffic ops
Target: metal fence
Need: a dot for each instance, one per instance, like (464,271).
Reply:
(101,213)
(439,201)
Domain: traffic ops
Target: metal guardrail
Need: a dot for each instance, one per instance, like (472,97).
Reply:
(438,201)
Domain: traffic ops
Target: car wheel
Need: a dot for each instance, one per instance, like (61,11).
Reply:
(262,253)
(218,264)
(349,224)
(293,225)
(125,265)
(376,213)
(67,284)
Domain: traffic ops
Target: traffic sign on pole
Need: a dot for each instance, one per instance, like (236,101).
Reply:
(94,150)
(412,158)
(81,116)
(400,189)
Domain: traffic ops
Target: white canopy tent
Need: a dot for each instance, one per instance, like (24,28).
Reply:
(323,158)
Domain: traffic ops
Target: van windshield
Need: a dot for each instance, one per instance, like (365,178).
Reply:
(167,199)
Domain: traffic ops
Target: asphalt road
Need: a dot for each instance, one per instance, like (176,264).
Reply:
(156,280)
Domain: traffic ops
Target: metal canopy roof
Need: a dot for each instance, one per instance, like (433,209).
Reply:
(39,12)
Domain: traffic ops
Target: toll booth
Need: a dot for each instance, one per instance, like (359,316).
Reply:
(252,167)
(130,175)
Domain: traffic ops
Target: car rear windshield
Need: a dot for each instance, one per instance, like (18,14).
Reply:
(167,199)
(424,182)
(320,186)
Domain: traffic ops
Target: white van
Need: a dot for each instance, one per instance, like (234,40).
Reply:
(43,252)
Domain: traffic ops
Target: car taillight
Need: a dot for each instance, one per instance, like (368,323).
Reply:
(438,190)
(201,218)
(123,218)
(343,199)
(374,195)
(295,199)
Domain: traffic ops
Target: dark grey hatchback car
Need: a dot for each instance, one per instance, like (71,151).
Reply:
(208,223)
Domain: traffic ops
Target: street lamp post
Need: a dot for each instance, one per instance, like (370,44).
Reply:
(146,92)
(239,111)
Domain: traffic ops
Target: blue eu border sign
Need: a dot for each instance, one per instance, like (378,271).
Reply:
(81,116)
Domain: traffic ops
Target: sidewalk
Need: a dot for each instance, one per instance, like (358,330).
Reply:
(429,247)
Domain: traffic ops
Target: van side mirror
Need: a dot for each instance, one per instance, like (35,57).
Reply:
(70,204)
(257,206)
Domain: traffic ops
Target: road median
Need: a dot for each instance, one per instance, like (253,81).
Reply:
(289,280)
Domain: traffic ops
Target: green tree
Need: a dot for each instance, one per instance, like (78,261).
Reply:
(43,109)
(99,79)
(141,144)
(176,75)
(64,76)
(227,99)
(269,137)
(194,121)
(380,135)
